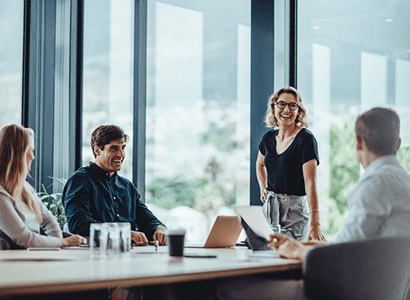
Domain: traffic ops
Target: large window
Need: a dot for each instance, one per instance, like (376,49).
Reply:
(198,111)
(352,56)
(108,71)
(193,83)
(11,49)
(197,101)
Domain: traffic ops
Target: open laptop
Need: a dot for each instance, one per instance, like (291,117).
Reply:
(257,230)
(224,233)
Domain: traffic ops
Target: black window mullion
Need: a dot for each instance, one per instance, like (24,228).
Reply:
(38,85)
(293,43)
(76,83)
(26,63)
(139,94)
(262,80)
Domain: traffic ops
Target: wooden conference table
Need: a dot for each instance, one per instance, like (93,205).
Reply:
(24,272)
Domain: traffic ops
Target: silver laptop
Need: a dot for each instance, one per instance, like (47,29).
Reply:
(224,233)
(257,230)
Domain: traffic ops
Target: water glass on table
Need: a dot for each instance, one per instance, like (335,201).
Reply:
(95,233)
(125,236)
(110,238)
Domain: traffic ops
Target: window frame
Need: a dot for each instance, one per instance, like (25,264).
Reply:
(39,82)
(39,85)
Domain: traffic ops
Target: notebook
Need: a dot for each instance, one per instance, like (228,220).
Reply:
(224,233)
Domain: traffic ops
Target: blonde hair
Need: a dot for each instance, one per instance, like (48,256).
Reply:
(14,145)
(270,119)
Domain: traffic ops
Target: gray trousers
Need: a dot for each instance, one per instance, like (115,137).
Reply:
(290,211)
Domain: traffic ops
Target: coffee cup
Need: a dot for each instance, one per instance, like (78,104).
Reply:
(176,241)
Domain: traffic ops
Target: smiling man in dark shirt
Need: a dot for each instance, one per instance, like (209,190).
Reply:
(97,194)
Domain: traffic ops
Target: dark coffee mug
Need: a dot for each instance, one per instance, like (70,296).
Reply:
(176,240)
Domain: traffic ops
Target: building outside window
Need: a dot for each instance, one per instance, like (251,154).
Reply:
(108,71)
(198,111)
(198,102)
(350,57)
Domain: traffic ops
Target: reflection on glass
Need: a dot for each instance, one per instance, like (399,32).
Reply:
(108,67)
(374,84)
(11,47)
(350,60)
(198,117)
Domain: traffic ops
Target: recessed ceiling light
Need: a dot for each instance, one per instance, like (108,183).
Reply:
(388,20)
(316,27)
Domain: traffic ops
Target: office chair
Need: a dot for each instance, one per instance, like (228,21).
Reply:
(4,245)
(371,269)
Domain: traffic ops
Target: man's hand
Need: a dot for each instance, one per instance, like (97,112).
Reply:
(159,235)
(138,238)
(287,247)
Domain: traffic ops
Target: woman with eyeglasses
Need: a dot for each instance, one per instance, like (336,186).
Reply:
(286,168)
(21,211)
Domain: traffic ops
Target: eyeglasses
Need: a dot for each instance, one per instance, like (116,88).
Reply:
(283,104)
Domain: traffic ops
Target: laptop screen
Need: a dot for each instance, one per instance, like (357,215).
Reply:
(255,241)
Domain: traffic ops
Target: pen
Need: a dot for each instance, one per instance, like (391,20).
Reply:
(199,256)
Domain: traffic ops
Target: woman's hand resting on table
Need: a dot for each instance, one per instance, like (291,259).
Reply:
(315,234)
(74,240)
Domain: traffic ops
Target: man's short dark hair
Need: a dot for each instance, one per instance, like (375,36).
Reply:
(105,134)
(379,128)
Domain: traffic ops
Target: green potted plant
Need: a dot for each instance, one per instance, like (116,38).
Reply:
(54,203)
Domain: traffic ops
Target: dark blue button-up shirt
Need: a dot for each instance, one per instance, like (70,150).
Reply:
(91,196)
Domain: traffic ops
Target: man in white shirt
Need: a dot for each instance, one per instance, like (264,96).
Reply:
(379,205)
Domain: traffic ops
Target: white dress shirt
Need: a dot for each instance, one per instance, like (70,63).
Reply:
(379,205)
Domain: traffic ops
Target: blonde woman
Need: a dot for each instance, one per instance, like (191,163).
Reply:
(286,168)
(21,211)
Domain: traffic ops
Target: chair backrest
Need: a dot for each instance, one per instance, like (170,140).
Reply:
(370,269)
(66,232)
(4,245)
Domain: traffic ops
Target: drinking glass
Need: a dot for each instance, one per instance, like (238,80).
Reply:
(95,238)
(125,237)
(110,238)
